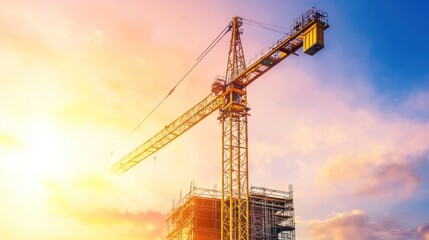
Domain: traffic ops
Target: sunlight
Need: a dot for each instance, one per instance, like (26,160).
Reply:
(40,158)
(44,150)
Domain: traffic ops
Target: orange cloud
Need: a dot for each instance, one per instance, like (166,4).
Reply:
(372,175)
(357,225)
(383,159)
(389,180)
(79,202)
(142,224)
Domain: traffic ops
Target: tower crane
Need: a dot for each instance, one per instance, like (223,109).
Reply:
(229,96)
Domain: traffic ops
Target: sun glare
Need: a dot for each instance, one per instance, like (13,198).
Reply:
(40,158)
(44,151)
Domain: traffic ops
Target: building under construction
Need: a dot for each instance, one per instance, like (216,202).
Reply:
(197,215)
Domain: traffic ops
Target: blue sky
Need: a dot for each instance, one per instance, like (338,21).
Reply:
(392,34)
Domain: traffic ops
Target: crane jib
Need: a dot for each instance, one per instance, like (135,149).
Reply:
(169,133)
(307,28)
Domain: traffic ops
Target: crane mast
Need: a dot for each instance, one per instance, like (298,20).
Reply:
(230,97)
(233,116)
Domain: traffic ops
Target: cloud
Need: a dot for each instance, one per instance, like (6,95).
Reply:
(379,154)
(370,175)
(143,224)
(97,37)
(423,231)
(357,225)
(391,179)
(333,137)
(86,201)
(417,101)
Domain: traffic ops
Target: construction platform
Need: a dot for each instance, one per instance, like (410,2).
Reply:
(197,215)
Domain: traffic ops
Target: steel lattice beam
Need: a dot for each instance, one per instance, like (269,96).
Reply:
(169,133)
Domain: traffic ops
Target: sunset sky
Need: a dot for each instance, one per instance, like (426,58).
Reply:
(348,127)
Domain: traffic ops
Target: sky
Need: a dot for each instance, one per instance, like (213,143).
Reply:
(347,127)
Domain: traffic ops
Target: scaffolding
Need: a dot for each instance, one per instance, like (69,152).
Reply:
(271,214)
(197,215)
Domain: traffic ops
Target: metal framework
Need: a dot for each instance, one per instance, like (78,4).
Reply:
(229,96)
(233,115)
(272,214)
(169,133)
(197,215)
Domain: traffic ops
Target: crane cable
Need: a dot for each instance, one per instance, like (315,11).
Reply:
(199,59)
(267,26)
